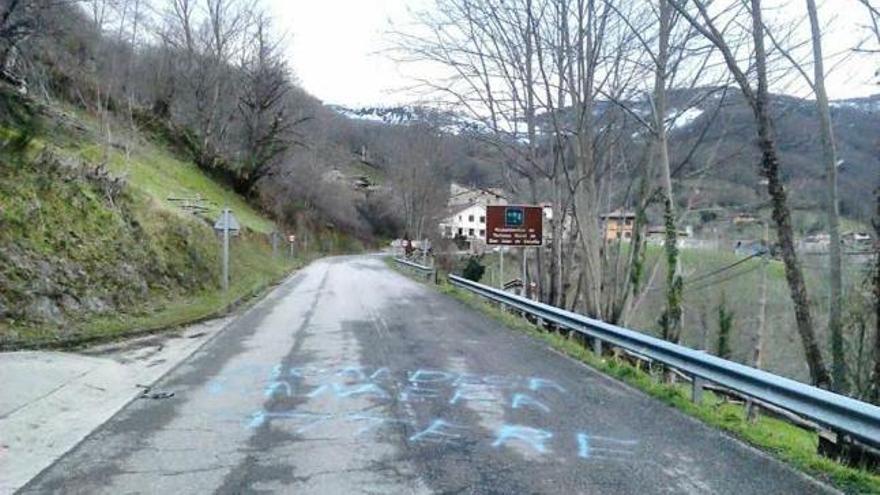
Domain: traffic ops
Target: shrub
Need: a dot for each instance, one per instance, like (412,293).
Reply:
(473,270)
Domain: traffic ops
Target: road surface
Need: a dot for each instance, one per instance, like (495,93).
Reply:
(351,378)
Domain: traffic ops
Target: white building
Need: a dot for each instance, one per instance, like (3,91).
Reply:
(468,222)
(466,215)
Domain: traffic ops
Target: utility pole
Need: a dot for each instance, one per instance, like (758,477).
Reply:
(762,312)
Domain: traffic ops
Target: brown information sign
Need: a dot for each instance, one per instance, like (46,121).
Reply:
(514,225)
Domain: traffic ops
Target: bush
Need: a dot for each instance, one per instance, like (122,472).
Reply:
(473,270)
(725,325)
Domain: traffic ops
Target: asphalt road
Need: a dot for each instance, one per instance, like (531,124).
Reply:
(351,378)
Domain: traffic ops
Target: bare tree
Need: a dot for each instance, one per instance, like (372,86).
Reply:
(19,21)
(267,120)
(873,17)
(758,98)
(417,165)
(829,157)
(876,289)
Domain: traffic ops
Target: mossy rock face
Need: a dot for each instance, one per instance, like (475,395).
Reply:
(75,242)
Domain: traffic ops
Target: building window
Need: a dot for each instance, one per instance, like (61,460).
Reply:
(470,218)
(629,221)
(460,231)
(482,233)
(471,232)
(627,235)
(482,219)
(459,218)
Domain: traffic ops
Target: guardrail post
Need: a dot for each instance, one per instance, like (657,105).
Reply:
(697,390)
(597,347)
(751,410)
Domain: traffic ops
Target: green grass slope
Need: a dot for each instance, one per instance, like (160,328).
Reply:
(90,246)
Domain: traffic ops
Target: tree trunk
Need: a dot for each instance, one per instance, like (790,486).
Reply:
(829,156)
(876,276)
(673,315)
(781,213)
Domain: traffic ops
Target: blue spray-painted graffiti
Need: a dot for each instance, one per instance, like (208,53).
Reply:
(533,437)
(424,390)
(598,447)
(273,387)
(341,390)
(438,431)
(524,400)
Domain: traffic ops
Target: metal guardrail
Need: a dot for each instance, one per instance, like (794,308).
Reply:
(427,271)
(836,412)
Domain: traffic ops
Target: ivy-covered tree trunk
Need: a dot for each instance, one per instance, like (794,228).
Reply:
(876,276)
(725,328)
(781,214)
(672,315)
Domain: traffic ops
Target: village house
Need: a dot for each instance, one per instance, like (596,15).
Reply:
(618,225)
(466,212)
(656,235)
(856,239)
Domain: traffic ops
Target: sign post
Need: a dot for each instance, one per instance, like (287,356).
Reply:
(514,225)
(501,268)
(226,223)
(291,239)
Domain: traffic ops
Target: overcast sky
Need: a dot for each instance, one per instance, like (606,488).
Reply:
(336,47)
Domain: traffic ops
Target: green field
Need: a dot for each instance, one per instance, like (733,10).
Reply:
(740,288)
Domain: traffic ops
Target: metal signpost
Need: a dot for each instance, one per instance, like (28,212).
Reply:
(514,225)
(275,236)
(226,223)
(291,239)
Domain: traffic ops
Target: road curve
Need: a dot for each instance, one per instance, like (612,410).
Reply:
(351,378)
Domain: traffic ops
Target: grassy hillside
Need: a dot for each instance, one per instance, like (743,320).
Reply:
(90,246)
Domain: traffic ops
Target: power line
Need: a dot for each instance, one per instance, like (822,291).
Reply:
(718,271)
(724,279)
(723,268)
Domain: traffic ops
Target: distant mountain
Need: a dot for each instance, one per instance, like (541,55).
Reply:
(726,164)
(448,122)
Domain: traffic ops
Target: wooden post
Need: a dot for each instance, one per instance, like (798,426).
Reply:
(757,358)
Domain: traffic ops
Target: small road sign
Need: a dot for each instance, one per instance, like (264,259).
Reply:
(514,225)
(227,221)
(227,224)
